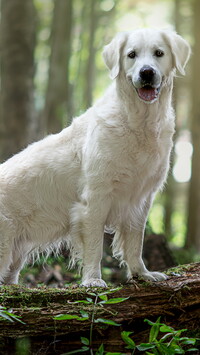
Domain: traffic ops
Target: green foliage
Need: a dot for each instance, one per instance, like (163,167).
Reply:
(106,321)
(8,315)
(130,344)
(114,300)
(171,343)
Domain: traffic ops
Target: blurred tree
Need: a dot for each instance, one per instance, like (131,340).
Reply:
(170,190)
(58,97)
(17,40)
(193,231)
(94,28)
(90,63)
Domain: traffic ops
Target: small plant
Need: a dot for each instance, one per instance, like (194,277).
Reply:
(99,299)
(8,315)
(170,343)
(163,339)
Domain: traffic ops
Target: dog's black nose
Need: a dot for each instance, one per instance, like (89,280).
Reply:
(147,74)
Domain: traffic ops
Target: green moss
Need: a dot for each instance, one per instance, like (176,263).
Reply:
(179,270)
(20,296)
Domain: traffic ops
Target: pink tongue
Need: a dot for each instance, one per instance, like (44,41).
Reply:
(147,94)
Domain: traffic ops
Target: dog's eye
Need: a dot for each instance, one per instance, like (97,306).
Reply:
(132,54)
(159,53)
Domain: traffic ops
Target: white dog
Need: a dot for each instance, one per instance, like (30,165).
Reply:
(102,171)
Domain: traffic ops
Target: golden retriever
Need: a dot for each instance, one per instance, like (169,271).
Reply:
(103,171)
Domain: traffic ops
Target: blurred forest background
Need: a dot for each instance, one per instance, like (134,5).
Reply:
(51,70)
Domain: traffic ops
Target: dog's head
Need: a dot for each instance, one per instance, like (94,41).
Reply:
(146,57)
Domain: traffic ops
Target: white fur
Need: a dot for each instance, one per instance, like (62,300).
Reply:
(101,172)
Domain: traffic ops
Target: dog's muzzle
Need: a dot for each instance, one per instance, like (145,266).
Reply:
(148,84)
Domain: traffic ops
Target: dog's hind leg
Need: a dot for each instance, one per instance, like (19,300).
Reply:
(20,252)
(15,267)
(13,255)
(5,259)
(7,231)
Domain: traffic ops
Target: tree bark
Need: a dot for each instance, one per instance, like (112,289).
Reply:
(175,300)
(193,231)
(17,39)
(58,89)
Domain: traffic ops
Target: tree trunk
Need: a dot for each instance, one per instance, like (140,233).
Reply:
(193,232)
(17,39)
(90,65)
(58,90)
(170,192)
(175,300)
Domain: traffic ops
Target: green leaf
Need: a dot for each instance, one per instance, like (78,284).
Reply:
(85,341)
(6,316)
(84,314)
(100,351)
(83,301)
(87,301)
(16,318)
(68,317)
(128,340)
(164,349)
(145,346)
(166,329)
(125,335)
(110,291)
(10,316)
(154,332)
(103,297)
(90,300)
(152,323)
(178,350)
(109,353)
(188,341)
(92,294)
(167,335)
(106,321)
(115,300)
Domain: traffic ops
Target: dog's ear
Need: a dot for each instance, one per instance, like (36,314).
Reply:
(180,50)
(111,54)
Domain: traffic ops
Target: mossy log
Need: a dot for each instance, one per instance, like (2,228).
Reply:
(176,300)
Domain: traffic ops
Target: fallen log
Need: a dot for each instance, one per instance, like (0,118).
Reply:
(176,300)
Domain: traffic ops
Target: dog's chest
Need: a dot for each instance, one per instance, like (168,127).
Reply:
(143,161)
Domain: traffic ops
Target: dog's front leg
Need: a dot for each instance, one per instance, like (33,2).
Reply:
(133,247)
(93,212)
(133,257)
(92,255)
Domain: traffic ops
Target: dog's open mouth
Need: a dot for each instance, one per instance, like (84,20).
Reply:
(148,93)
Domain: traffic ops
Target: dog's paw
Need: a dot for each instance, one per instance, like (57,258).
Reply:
(151,276)
(94,283)
(155,276)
